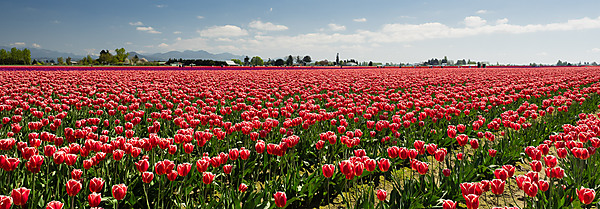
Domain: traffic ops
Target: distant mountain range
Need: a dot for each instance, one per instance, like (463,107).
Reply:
(45,54)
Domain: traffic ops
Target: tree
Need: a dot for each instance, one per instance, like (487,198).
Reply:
(445,60)
(237,61)
(289,61)
(135,59)
(256,61)
(68,60)
(279,62)
(26,56)
(298,60)
(337,59)
(4,57)
(306,59)
(246,60)
(105,57)
(370,63)
(121,55)
(60,61)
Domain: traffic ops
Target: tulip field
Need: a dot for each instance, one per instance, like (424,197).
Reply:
(162,137)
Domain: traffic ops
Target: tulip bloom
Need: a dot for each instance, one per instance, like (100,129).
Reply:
(73,187)
(242,187)
(94,199)
(5,202)
(20,196)
(147,177)
(142,165)
(381,195)
(184,169)
(384,164)
(446,172)
(54,205)
(472,201)
(96,185)
(76,174)
(280,199)
(449,204)
(328,170)
(227,169)
(119,191)
(586,196)
(500,173)
(497,186)
(207,177)
(550,161)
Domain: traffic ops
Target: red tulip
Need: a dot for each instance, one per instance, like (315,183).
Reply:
(58,157)
(9,164)
(328,170)
(207,177)
(536,165)
(184,169)
(142,165)
(244,153)
(76,174)
(550,161)
(485,185)
(530,188)
(118,154)
(500,173)
(20,196)
(5,202)
(94,199)
(35,163)
(119,191)
(393,152)
(472,201)
(471,188)
(440,154)
(422,168)
(558,172)
(172,176)
(54,205)
(242,187)
(586,196)
(73,187)
(459,156)
(449,204)
(96,185)
(446,172)
(492,152)
(384,164)
(510,169)
(70,159)
(147,177)
(497,186)
(474,143)
(462,139)
(280,199)
(370,164)
(227,169)
(188,148)
(381,195)
(202,165)
(544,185)
(452,133)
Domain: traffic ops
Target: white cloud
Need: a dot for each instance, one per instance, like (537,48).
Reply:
(138,23)
(163,45)
(128,43)
(18,44)
(56,22)
(200,17)
(271,9)
(34,45)
(502,21)
(360,20)
(474,21)
(596,50)
(335,27)
(482,11)
(542,54)
(176,32)
(161,6)
(148,29)
(223,31)
(267,26)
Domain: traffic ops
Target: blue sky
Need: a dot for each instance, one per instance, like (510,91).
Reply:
(508,31)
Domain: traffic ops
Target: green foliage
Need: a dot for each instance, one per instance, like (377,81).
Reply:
(256,61)
(15,57)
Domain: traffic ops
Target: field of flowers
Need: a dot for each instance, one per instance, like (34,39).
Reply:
(299,138)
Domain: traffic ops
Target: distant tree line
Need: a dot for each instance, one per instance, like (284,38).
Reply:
(15,57)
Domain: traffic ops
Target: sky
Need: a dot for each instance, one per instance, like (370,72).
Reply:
(407,31)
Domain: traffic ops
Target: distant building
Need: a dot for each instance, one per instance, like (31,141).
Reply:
(231,63)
